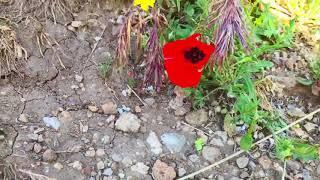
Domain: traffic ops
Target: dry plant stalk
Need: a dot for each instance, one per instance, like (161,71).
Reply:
(228,16)
(47,8)
(44,40)
(11,52)
(154,60)
(128,47)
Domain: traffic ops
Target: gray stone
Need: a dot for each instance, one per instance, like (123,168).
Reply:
(310,127)
(154,143)
(108,172)
(294,165)
(194,158)
(33,137)
(295,112)
(242,162)
(181,172)
(126,161)
(90,153)
(100,165)
(78,78)
(52,122)
(100,152)
(37,148)
(318,170)
(197,118)
(49,156)
(141,168)
(244,175)
(109,108)
(77,165)
(173,141)
(265,162)
(116,157)
(23,118)
(211,154)
(128,122)
(58,166)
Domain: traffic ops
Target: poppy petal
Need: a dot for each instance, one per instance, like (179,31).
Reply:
(183,75)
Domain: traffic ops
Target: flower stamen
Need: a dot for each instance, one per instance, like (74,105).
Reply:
(194,55)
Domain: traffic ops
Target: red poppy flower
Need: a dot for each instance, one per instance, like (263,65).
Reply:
(185,59)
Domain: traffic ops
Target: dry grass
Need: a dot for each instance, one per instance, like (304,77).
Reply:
(11,52)
(45,41)
(7,171)
(47,9)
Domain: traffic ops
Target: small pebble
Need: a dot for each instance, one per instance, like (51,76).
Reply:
(242,162)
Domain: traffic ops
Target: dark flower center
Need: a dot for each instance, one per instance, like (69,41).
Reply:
(194,55)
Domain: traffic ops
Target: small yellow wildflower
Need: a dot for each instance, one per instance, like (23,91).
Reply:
(144,3)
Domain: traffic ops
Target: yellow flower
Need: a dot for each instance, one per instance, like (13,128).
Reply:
(144,3)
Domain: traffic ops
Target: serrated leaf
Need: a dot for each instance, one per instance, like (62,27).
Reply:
(304,81)
(246,142)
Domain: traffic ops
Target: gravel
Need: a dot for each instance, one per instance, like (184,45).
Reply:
(242,162)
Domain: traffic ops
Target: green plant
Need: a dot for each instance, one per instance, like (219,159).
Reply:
(237,79)
(198,144)
(293,148)
(315,68)
(105,68)
(183,17)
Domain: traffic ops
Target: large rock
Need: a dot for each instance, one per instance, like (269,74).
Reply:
(128,122)
(161,171)
(197,118)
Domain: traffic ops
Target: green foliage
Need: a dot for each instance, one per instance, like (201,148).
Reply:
(104,68)
(266,28)
(315,68)
(198,144)
(184,17)
(297,149)
(246,142)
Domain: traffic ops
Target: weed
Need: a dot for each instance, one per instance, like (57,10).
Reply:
(315,68)
(105,68)
(198,144)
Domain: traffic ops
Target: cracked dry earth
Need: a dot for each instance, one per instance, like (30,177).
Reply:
(69,123)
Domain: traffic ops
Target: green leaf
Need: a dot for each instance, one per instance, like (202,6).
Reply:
(189,10)
(284,148)
(304,81)
(304,151)
(246,142)
(198,144)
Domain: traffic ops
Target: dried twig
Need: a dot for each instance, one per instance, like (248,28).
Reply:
(254,144)
(196,129)
(94,48)
(144,103)
(35,176)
